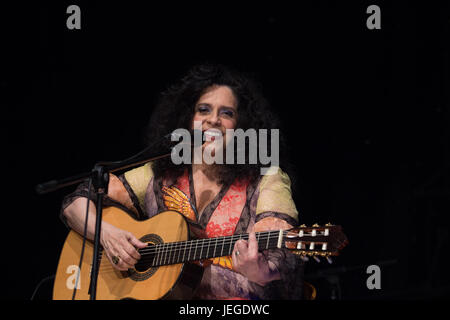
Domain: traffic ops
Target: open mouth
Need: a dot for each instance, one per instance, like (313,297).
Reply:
(211,134)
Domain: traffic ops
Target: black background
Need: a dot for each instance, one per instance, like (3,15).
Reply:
(366,113)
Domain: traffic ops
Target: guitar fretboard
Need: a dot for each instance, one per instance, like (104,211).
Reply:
(193,250)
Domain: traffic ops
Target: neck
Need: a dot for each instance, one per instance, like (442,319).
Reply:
(199,249)
(206,172)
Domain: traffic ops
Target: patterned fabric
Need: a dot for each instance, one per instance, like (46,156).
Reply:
(237,208)
(176,200)
(222,219)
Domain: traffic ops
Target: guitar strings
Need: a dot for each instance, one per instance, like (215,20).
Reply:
(164,251)
(189,244)
(211,242)
(170,247)
(110,268)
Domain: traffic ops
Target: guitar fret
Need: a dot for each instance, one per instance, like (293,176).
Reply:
(280,239)
(201,251)
(189,254)
(172,255)
(184,251)
(215,247)
(221,252)
(161,253)
(268,237)
(230,249)
(174,251)
(169,251)
(165,253)
(195,251)
(207,251)
(179,251)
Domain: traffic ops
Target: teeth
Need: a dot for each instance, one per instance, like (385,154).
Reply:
(213,133)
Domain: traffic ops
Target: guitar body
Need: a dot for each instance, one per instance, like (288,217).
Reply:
(176,281)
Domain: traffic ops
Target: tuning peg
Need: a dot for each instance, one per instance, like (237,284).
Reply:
(328,224)
(316,258)
(330,261)
(315,225)
(303,226)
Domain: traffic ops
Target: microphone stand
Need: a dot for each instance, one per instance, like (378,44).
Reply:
(100,181)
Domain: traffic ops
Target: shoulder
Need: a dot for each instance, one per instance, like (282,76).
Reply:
(139,175)
(275,177)
(275,197)
(138,180)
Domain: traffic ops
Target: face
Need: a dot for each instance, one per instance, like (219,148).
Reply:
(216,110)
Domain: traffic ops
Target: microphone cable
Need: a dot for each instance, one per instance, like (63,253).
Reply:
(39,284)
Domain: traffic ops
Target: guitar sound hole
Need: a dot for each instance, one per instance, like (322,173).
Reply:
(147,256)
(144,268)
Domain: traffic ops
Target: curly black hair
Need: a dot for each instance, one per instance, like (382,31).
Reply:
(175,109)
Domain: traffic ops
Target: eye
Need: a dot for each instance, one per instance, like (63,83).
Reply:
(203,108)
(228,113)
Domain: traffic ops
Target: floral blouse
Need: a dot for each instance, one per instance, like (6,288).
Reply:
(235,209)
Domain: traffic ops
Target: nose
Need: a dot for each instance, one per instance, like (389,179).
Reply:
(213,119)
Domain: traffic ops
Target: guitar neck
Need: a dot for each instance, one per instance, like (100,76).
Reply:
(193,250)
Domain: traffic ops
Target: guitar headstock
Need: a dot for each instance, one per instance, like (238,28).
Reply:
(316,241)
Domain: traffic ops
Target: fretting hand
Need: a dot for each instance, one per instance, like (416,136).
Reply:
(252,264)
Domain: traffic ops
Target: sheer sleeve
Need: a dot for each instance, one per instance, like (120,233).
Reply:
(275,198)
(275,209)
(126,191)
(291,269)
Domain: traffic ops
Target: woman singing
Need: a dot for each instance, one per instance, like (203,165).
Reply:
(219,198)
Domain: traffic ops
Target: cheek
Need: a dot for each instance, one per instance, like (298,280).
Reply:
(229,124)
(196,118)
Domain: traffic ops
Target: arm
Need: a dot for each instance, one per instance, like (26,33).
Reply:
(115,241)
(277,272)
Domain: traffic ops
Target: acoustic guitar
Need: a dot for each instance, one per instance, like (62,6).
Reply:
(166,269)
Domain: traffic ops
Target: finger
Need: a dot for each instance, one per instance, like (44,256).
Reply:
(240,250)
(252,245)
(235,254)
(126,259)
(137,243)
(119,265)
(123,266)
(241,244)
(235,261)
(121,250)
(131,251)
(133,244)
